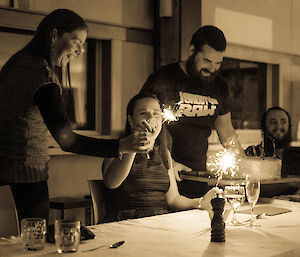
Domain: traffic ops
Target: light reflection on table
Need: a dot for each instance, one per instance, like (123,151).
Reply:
(188,234)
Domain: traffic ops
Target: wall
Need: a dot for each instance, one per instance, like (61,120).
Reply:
(137,66)
(263,24)
(130,13)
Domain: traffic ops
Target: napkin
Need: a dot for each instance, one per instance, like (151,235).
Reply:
(268,210)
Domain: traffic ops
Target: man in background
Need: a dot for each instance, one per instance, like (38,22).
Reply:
(276,132)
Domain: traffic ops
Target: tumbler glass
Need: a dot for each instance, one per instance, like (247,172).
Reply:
(33,232)
(67,235)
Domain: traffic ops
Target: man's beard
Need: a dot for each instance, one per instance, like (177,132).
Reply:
(196,75)
(281,143)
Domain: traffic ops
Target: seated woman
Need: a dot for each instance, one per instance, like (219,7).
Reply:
(143,184)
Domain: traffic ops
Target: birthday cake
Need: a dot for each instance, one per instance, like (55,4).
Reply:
(266,168)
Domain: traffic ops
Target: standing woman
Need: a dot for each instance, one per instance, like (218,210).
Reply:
(31,102)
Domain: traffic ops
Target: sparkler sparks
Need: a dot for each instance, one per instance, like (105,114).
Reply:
(223,163)
(170,114)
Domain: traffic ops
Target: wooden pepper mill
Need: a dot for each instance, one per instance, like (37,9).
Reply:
(217,222)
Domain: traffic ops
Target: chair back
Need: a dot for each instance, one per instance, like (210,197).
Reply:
(291,161)
(97,191)
(9,222)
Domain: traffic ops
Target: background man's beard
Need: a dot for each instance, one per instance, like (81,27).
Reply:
(196,75)
(283,142)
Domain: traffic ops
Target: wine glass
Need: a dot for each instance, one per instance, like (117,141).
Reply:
(252,193)
(235,196)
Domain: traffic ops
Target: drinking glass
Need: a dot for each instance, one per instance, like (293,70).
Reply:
(67,235)
(252,193)
(235,196)
(33,232)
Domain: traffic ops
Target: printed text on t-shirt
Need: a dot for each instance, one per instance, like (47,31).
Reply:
(193,105)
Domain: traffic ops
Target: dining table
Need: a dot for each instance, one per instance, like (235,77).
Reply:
(187,233)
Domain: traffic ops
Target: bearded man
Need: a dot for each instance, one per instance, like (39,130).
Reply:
(276,132)
(196,88)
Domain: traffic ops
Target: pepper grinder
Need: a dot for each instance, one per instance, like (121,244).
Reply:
(217,222)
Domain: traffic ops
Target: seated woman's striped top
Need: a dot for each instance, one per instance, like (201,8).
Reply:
(143,192)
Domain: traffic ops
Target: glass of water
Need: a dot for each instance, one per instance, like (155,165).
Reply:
(67,235)
(235,196)
(252,193)
(33,232)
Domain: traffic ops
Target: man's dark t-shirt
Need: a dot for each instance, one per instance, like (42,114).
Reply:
(200,105)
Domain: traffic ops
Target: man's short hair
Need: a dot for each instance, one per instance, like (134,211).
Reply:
(211,36)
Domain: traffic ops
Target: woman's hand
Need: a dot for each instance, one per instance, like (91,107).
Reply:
(144,126)
(177,167)
(137,142)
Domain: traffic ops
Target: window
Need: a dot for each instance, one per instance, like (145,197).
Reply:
(248,88)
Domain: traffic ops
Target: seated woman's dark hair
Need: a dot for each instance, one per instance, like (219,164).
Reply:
(131,105)
(163,139)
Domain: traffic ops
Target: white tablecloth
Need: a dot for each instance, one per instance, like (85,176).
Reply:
(186,234)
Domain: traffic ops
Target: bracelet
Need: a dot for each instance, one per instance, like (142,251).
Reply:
(199,203)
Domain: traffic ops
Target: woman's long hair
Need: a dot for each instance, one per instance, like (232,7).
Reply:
(63,20)
(163,139)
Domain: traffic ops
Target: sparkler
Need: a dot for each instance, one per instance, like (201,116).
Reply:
(224,163)
(170,114)
(146,126)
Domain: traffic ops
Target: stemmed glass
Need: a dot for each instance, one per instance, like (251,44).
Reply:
(252,193)
(235,196)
